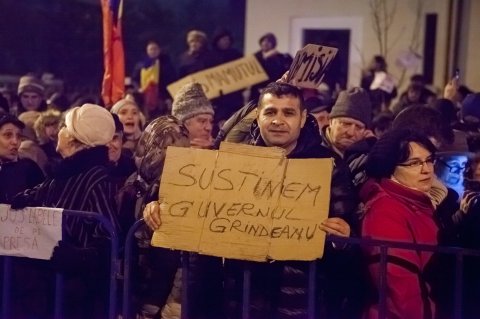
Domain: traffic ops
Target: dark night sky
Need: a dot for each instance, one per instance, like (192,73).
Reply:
(64,37)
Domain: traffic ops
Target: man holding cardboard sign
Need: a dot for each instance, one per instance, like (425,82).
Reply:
(283,122)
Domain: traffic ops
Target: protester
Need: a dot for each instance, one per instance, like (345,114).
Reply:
(81,182)
(195,111)
(121,159)
(132,120)
(379,84)
(350,120)
(153,75)
(320,108)
(197,57)
(282,121)
(223,52)
(400,168)
(30,147)
(16,174)
(156,267)
(381,123)
(31,92)
(46,128)
(272,61)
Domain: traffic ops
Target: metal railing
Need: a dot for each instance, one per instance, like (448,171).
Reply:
(114,270)
(383,245)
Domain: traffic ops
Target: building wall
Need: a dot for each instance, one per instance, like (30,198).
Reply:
(470,45)
(279,17)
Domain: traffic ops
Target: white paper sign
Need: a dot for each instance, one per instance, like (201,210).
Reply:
(30,232)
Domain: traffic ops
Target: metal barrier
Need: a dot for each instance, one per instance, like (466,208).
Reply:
(114,270)
(382,244)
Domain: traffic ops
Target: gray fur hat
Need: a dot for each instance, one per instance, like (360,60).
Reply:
(354,103)
(191,101)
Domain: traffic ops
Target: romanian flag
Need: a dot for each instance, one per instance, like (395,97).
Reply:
(113,86)
(149,78)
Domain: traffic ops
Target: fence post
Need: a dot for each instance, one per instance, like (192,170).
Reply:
(246,291)
(127,267)
(382,310)
(7,283)
(185,265)
(458,284)
(312,278)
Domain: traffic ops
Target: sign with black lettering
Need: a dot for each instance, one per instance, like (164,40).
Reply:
(225,78)
(30,232)
(309,66)
(244,202)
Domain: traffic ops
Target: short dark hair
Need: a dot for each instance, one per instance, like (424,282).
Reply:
(270,37)
(392,149)
(279,89)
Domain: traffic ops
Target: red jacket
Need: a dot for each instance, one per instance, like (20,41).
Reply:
(395,212)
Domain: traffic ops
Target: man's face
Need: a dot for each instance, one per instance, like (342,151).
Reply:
(199,127)
(345,131)
(280,120)
(30,100)
(9,142)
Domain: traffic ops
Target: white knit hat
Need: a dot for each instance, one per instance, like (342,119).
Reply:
(191,101)
(90,124)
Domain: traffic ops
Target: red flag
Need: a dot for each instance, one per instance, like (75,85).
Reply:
(113,85)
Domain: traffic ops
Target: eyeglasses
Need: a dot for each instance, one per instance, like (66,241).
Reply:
(454,167)
(419,163)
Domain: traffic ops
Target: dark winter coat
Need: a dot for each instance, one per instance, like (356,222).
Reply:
(286,282)
(81,182)
(15,177)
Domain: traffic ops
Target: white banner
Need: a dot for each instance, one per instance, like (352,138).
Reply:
(30,232)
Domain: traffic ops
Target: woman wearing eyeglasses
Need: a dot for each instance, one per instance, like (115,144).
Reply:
(398,208)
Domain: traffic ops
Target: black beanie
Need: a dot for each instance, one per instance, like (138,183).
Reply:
(354,103)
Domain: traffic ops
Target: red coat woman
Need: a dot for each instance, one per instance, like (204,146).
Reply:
(400,167)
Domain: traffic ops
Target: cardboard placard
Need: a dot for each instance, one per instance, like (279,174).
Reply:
(309,66)
(30,232)
(244,202)
(225,78)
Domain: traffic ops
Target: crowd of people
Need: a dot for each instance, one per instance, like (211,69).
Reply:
(384,186)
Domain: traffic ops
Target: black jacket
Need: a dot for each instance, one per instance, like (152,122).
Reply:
(15,177)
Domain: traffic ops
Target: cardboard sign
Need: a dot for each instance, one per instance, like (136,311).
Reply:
(30,232)
(225,78)
(244,202)
(309,66)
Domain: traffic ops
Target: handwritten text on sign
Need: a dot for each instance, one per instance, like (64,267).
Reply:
(309,66)
(30,232)
(225,78)
(244,202)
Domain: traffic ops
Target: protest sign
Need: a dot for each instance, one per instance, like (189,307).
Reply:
(225,78)
(244,202)
(309,66)
(30,232)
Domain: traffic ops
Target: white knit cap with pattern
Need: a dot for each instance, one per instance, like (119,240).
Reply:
(191,101)
(90,124)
